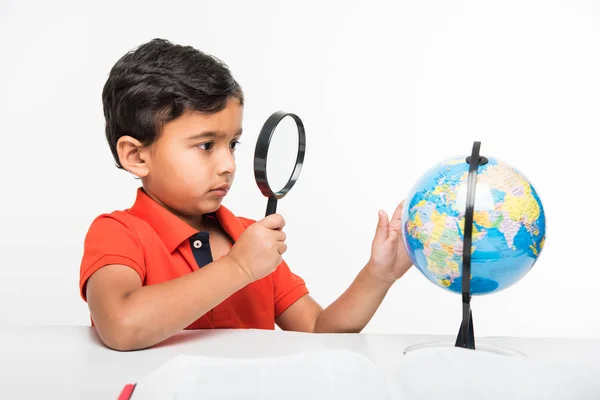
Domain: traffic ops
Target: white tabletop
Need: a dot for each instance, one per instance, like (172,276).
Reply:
(71,363)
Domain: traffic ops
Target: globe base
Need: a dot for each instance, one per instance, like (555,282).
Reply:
(479,347)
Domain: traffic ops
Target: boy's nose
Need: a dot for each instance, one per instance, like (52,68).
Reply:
(226,163)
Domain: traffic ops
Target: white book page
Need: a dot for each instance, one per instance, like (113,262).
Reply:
(326,374)
(447,373)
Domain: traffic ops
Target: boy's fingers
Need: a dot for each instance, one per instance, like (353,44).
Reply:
(280,236)
(397,216)
(281,248)
(381,233)
(273,221)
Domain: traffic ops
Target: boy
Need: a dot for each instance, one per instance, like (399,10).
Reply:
(178,259)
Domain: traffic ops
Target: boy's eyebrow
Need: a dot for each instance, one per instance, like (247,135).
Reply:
(212,134)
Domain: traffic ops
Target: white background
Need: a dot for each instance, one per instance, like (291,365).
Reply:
(385,89)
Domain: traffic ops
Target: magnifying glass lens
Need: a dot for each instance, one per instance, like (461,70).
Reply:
(279,156)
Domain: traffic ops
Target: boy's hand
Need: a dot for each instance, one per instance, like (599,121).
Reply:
(389,260)
(258,250)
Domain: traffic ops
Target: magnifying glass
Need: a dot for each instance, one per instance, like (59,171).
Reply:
(284,143)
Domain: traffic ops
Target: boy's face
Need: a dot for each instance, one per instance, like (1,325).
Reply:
(191,166)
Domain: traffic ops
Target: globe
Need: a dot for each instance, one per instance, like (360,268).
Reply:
(508,232)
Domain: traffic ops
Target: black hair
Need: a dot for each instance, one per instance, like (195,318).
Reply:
(156,83)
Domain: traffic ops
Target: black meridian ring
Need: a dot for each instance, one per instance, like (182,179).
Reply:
(466,337)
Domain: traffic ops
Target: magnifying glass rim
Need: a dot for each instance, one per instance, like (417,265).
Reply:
(262,150)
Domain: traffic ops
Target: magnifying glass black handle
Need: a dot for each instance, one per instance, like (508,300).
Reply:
(271,206)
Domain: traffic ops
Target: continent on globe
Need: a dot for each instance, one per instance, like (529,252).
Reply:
(509,226)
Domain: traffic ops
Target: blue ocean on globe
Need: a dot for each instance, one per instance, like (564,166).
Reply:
(509,225)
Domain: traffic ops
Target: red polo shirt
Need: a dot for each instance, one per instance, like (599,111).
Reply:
(155,243)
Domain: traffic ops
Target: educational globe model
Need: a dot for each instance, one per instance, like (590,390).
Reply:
(509,226)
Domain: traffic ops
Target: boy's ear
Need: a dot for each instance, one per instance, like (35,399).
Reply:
(132,156)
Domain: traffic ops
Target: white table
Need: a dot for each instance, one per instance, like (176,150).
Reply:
(71,363)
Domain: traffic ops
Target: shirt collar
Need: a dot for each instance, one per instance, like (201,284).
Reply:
(171,229)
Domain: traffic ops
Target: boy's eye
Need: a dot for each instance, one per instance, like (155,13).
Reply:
(206,146)
(234,144)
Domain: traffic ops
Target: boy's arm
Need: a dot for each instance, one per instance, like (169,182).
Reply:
(356,306)
(128,316)
(350,313)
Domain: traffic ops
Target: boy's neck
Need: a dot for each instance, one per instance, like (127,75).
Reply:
(200,223)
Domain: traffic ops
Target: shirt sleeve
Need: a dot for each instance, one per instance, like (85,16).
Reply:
(288,288)
(110,241)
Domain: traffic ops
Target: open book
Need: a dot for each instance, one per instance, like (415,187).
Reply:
(436,373)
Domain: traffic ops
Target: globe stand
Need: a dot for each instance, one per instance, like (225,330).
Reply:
(466,337)
(488,348)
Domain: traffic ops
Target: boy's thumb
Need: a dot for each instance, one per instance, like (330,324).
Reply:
(381,233)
